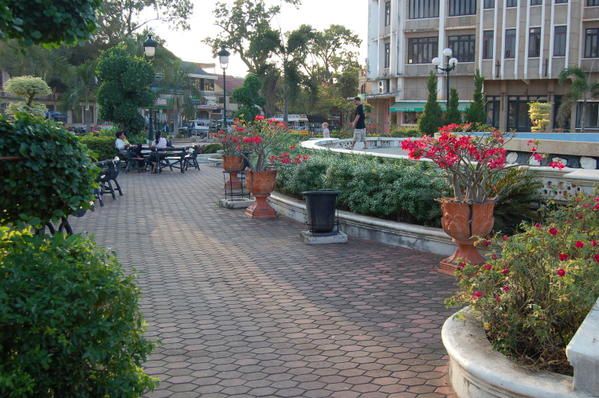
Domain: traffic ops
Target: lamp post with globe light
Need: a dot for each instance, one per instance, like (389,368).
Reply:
(447,68)
(150,51)
(223,58)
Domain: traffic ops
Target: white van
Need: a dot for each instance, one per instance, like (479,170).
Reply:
(200,127)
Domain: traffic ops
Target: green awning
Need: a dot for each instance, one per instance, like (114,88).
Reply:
(418,106)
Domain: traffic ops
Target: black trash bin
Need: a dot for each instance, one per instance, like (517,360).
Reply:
(320,206)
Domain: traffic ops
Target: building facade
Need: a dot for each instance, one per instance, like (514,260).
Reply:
(520,47)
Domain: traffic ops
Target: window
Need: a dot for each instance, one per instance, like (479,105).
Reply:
(591,43)
(387,13)
(536,2)
(534,42)
(462,7)
(517,112)
(488,44)
(510,43)
(462,47)
(561,1)
(387,54)
(423,9)
(511,3)
(592,3)
(559,41)
(489,4)
(492,109)
(422,50)
(591,115)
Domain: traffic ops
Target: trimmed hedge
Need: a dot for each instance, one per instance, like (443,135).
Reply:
(100,147)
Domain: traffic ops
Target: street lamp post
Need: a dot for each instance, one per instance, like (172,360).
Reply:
(447,68)
(150,51)
(223,57)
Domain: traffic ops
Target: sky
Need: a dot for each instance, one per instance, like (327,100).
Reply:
(188,45)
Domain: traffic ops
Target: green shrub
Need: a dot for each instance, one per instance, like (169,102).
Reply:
(100,147)
(538,286)
(70,325)
(405,132)
(212,148)
(54,176)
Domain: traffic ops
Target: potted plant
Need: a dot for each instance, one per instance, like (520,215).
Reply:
(470,162)
(262,139)
(232,159)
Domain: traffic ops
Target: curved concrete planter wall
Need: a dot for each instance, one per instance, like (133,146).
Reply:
(426,239)
(477,371)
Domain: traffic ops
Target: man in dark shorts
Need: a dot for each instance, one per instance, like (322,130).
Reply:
(359,125)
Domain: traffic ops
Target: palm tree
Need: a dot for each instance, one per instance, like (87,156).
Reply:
(581,88)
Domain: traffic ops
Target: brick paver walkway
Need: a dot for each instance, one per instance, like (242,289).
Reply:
(242,308)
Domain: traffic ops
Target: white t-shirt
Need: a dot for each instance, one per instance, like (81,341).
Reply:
(120,144)
(161,143)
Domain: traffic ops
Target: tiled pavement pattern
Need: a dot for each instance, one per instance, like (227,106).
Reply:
(242,308)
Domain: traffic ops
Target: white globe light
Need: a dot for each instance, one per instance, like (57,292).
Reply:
(447,52)
(436,61)
(453,61)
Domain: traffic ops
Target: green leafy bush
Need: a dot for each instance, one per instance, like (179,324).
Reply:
(70,324)
(53,176)
(538,286)
(212,148)
(101,147)
(400,189)
(405,132)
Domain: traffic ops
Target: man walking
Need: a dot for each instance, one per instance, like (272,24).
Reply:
(359,125)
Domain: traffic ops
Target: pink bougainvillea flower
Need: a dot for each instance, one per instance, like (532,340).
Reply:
(505,271)
(597,257)
(561,272)
(563,257)
(477,294)
(557,165)
(505,288)
(579,244)
(538,225)
(259,117)
(488,267)
(553,231)
(505,237)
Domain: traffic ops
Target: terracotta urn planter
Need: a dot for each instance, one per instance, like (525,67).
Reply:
(261,184)
(233,165)
(464,222)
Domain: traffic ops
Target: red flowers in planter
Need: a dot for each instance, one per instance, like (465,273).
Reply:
(256,140)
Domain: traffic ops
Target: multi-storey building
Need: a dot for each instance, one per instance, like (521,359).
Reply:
(520,47)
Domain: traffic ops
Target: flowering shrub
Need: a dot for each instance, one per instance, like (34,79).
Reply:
(468,160)
(230,142)
(262,139)
(539,157)
(537,286)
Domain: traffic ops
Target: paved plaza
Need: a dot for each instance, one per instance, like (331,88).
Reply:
(242,308)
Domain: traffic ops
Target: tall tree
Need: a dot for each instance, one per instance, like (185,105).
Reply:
(581,89)
(48,21)
(248,96)
(124,88)
(453,115)
(476,111)
(432,118)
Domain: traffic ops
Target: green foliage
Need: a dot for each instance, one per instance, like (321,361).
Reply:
(476,112)
(54,176)
(405,132)
(28,88)
(48,21)
(125,87)
(432,118)
(248,97)
(516,190)
(581,88)
(538,286)
(100,147)
(212,148)
(453,114)
(70,324)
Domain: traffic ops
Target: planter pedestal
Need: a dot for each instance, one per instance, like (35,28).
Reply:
(261,184)
(260,208)
(232,165)
(234,181)
(465,250)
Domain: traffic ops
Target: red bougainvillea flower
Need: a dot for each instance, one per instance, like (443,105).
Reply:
(553,231)
(597,257)
(538,226)
(272,120)
(486,243)
(579,244)
(256,140)
(505,271)
(593,243)
(477,294)
(259,117)
(505,237)
(461,265)
(505,288)
(563,257)
(488,267)
(561,272)
(557,165)
(281,125)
